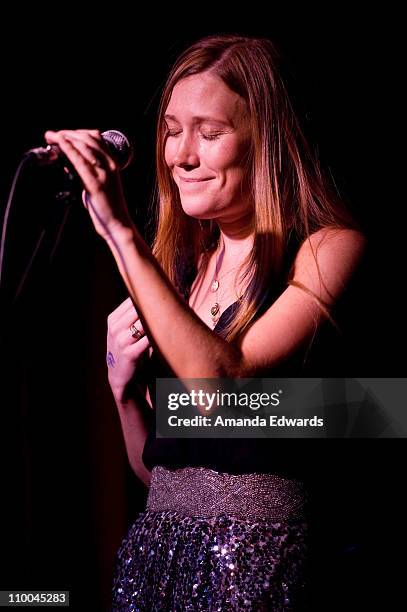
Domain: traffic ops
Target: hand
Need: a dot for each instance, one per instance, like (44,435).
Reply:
(100,176)
(124,350)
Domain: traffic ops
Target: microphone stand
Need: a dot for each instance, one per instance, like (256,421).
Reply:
(69,186)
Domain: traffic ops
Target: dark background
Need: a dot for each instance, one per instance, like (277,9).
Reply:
(68,494)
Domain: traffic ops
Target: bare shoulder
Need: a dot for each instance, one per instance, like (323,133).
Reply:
(322,269)
(328,260)
(335,241)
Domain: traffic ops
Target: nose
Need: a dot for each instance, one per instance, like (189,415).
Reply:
(186,155)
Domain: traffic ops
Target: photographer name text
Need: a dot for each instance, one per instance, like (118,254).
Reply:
(271,420)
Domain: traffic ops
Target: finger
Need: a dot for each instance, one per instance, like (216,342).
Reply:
(135,350)
(94,133)
(92,155)
(91,178)
(136,330)
(124,307)
(92,137)
(95,139)
(90,143)
(90,149)
(124,322)
(124,338)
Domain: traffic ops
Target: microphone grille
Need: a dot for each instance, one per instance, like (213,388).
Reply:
(119,147)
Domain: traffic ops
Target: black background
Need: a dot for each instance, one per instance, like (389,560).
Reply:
(67,492)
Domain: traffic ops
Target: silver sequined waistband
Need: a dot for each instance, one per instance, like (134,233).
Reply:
(203,492)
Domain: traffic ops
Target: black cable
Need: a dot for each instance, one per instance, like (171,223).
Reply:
(7,212)
(28,268)
(67,196)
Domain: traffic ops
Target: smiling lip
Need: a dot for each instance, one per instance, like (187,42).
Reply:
(194,180)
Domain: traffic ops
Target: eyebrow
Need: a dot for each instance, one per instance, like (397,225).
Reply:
(202,119)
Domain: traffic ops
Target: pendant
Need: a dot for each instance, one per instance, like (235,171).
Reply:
(215,285)
(215,309)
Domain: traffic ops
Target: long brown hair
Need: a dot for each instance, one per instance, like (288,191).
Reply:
(291,197)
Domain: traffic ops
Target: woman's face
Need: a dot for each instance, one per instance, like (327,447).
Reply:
(208,137)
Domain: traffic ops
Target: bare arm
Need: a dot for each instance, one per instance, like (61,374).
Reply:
(170,323)
(135,426)
(324,266)
(176,329)
(126,357)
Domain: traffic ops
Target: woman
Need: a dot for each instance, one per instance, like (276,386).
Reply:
(251,254)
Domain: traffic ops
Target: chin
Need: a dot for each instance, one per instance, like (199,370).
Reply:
(196,209)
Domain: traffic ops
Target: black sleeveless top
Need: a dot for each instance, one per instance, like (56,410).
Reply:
(330,356)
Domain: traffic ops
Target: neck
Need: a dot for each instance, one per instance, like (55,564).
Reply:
(236,241)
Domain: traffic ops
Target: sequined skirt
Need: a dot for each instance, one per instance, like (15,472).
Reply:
(212,541)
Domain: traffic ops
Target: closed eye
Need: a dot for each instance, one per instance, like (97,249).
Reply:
(211,136)
(174,133)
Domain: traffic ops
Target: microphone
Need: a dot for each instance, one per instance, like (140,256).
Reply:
(118,146)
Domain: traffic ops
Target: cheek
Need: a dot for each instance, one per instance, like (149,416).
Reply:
(220,157)
(225,157)
(232,183)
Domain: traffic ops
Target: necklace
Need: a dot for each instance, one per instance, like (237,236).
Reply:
(215,309)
